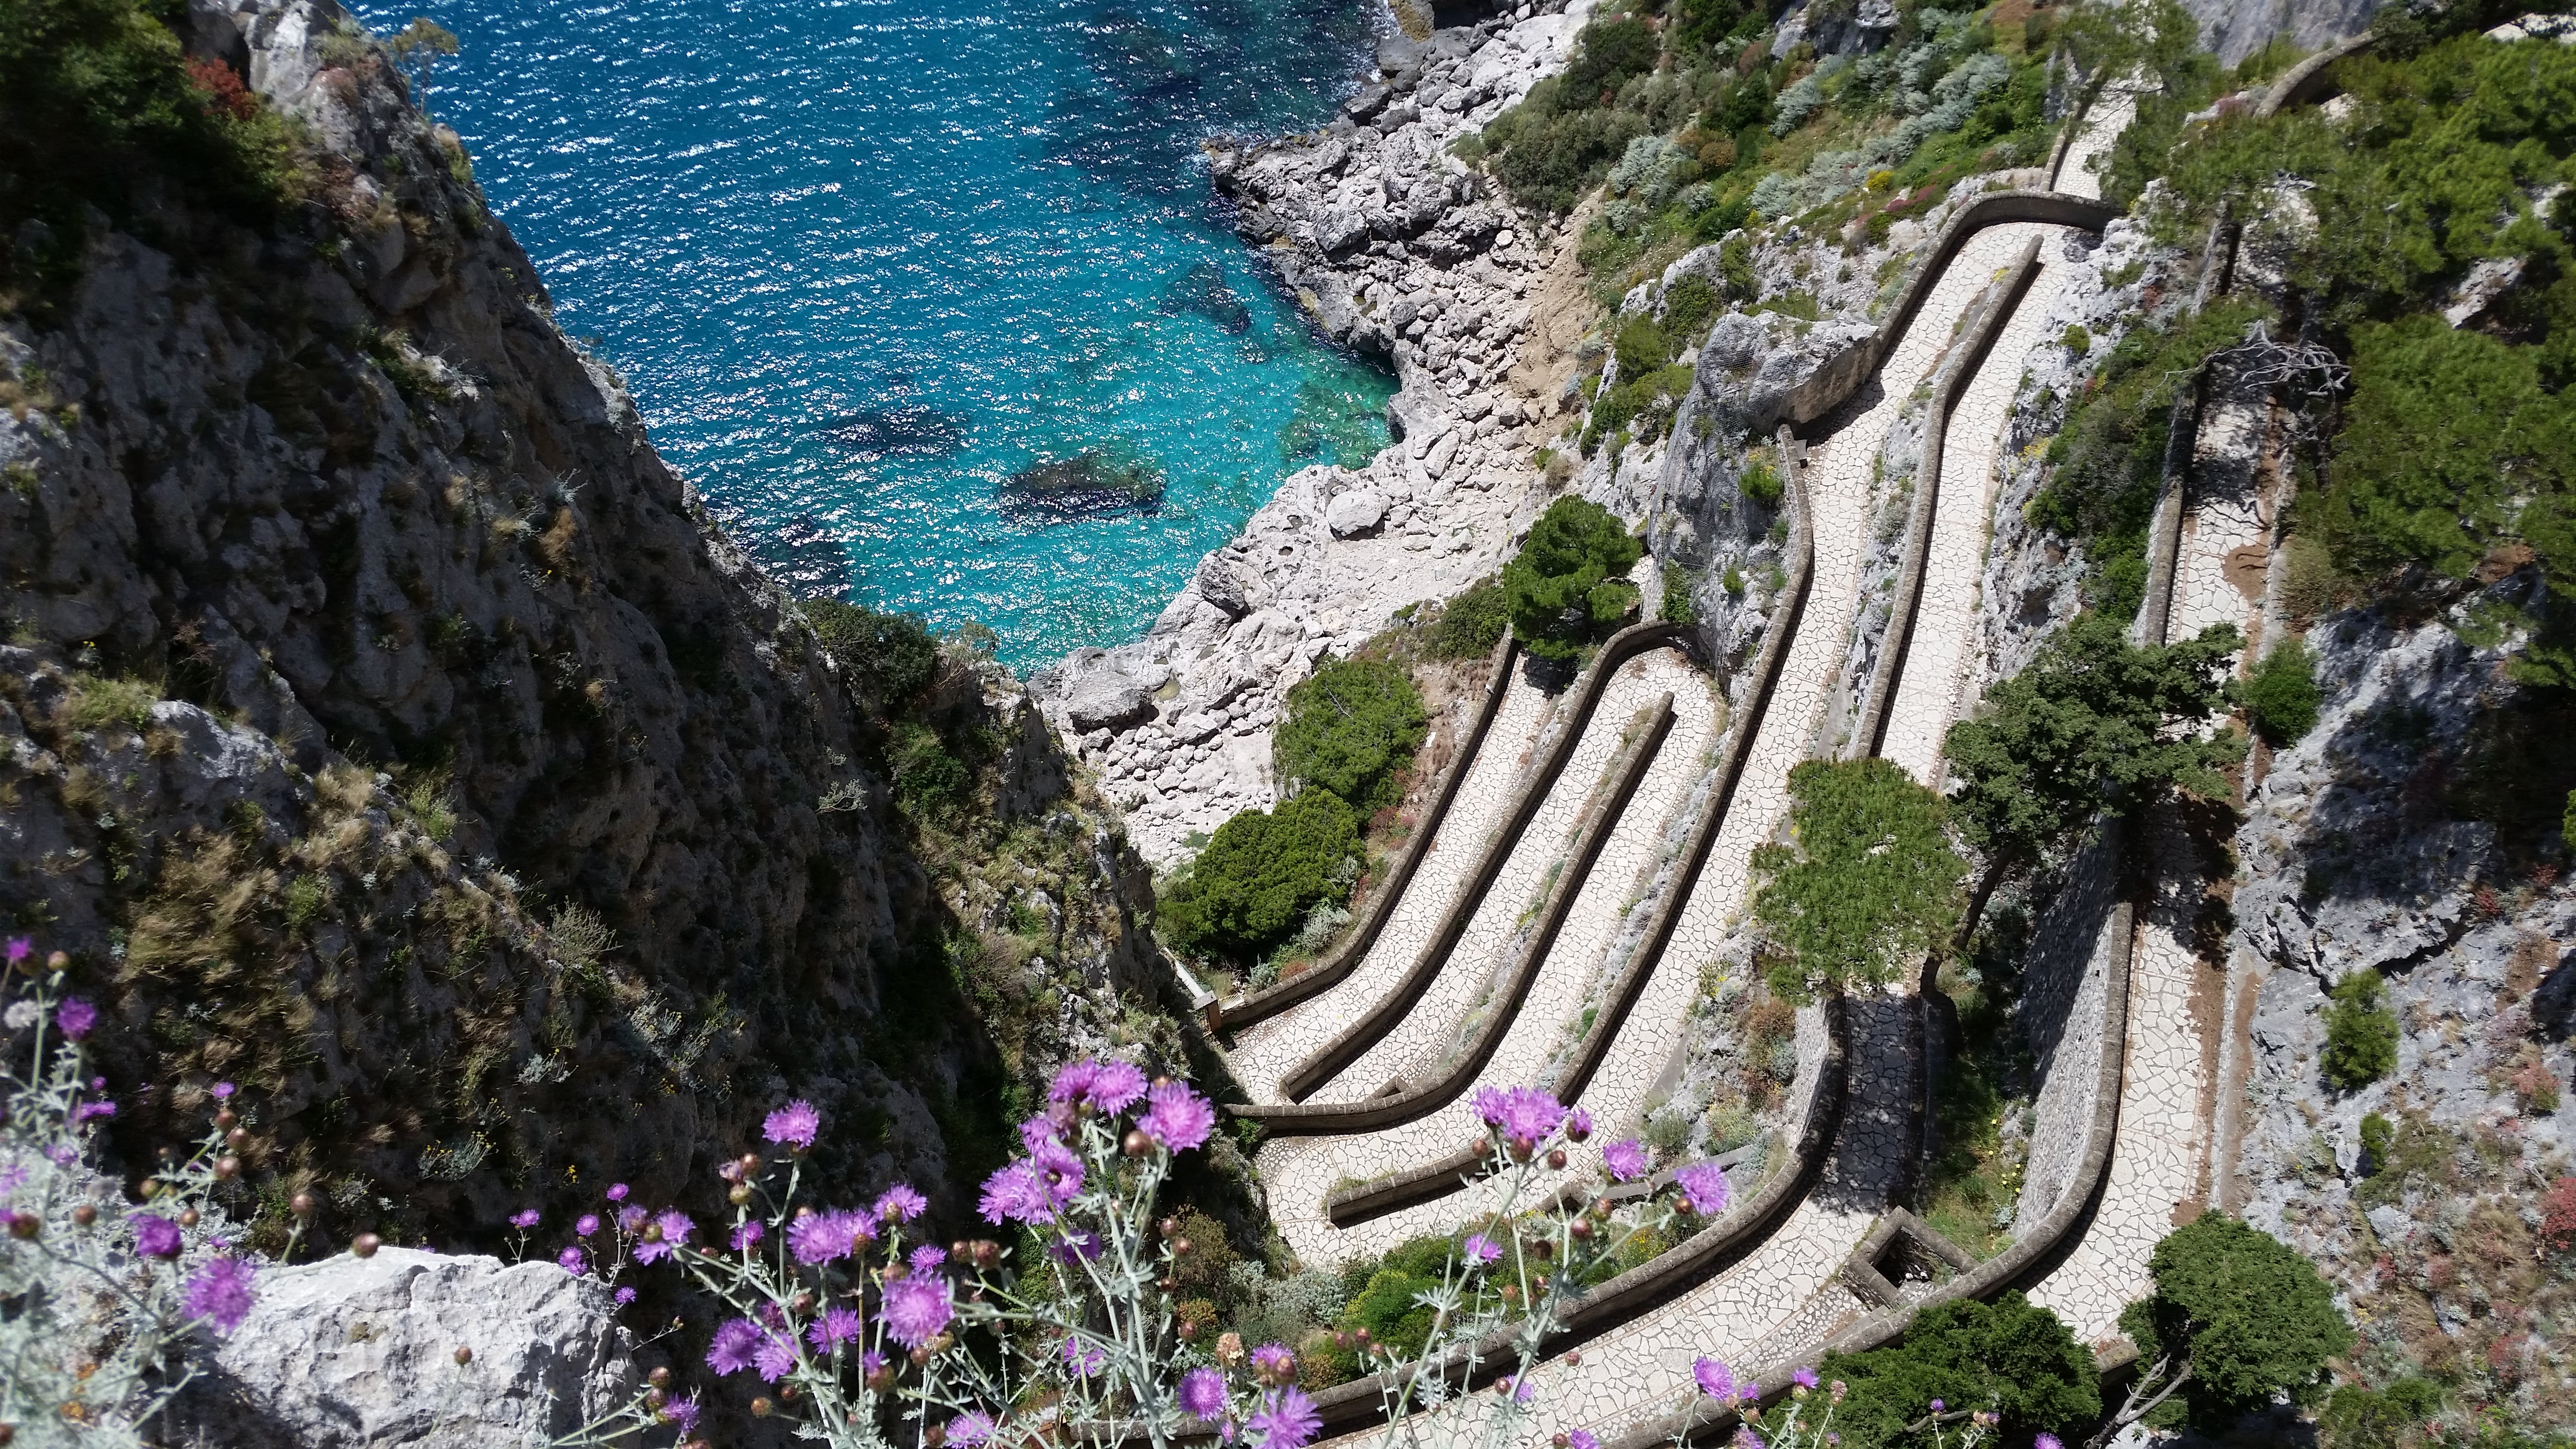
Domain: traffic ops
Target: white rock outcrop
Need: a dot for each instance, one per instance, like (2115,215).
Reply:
(361,1353)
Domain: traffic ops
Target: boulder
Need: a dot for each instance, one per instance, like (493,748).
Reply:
(360,1353)
(1357,512)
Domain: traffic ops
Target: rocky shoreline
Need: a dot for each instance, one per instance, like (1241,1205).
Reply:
(1396,248)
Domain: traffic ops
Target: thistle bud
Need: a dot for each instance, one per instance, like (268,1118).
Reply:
(227,1119)
(1556,1158)
(1582,1229)
(227,1166)
(802,1305)
(237,1139)
(85,1214)
(750,1163)
(1180,1246)
(188,1218)
(1167,1227)
(787,1394)
(659,1378)
(729,1171)
(935,1435)
(365,1245)
(464,1355)
(881,1379)
(25,1226)
(655,1398)
(738,1194)
(301,1204)
(760,1407)
(1136,1143)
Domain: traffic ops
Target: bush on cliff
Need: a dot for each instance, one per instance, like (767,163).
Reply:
(891,658)
(1350,727)
(2234,1319)
(99,107)
(1470,625)
(2011,1355)
(1871,885)
(1260,874)
(2361,1032)
(2281,698)
(1570,578)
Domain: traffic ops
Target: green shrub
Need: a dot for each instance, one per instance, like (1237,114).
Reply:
(1570,577)
(1261,873)
(1548,158)
(1677,607)
(2281,696)
(1607,55)
(2093,725)
(1761,482)
(2246,1316)
(1735,267)
(2359,1417)
(2076,339)
(1348,728)
(100,703)
(1640,347)
(2361,1032)
(1733,582)
(2011,1355)
(891,658)
(1871,885)
(2378,1134)
(927,778)
(98,107)
(1470,625)
(1689,307)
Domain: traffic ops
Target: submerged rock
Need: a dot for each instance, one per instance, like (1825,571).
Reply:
(1090,483)
(1202,290)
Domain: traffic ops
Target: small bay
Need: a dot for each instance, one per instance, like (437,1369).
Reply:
(932,300)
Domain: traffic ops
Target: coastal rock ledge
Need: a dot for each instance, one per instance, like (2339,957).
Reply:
(1393,247)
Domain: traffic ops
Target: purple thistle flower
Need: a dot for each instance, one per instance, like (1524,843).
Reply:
(222,1090)
(1715,1379)
(747,1235)
(1203,1394)
(837,1326)
(2047,1441)
(1489,1105)
(1745,1438)
(970,1429)
(1705,1188)
(1072,1081)
(1178,1117)
(1481,1249)
(825,1237)
(775,1359)
(1581,1439)
(1804,1378)
(1938,1406)
(1273,1359)
(87,1110)
(926,1257)
(20,948)
(1036,1132)
(572,1261)
(1578,1124)
(1082,1362)
(901,1204)
(585,1225)
(617,1192)
(730,1351)
(1075,1248)
(75,1017)
(917,1308)
(794,1124)
(630,1218)
(154,1235)
(625,1296)
(1625,1160)
(676,1227)
(1285,1420)
(1530,1116)
(1059,1170)
(524,1219)
(1115,1086)
(1015,1192)
(682,1412)
(871,1363)
(220,1293)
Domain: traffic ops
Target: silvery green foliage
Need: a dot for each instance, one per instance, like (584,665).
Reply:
(861,1337)
(1935,84)
(95,1335)
(1800,100)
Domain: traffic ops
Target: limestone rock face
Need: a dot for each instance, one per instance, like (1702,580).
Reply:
(353,1353)
(1356,512)
(2238,28)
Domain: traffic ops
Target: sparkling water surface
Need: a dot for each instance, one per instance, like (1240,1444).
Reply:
(862,262)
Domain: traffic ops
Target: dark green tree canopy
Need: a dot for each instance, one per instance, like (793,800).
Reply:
(1349,727)
(891,658)
(2235,1317)
(2361,1032)
(2010,1353)
(1570,577)
(1264,870)
(2088,729)
(1871,886)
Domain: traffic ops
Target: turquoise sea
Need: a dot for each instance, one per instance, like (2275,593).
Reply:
(863,261)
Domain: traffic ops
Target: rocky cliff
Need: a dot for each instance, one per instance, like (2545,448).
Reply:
(389,730)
